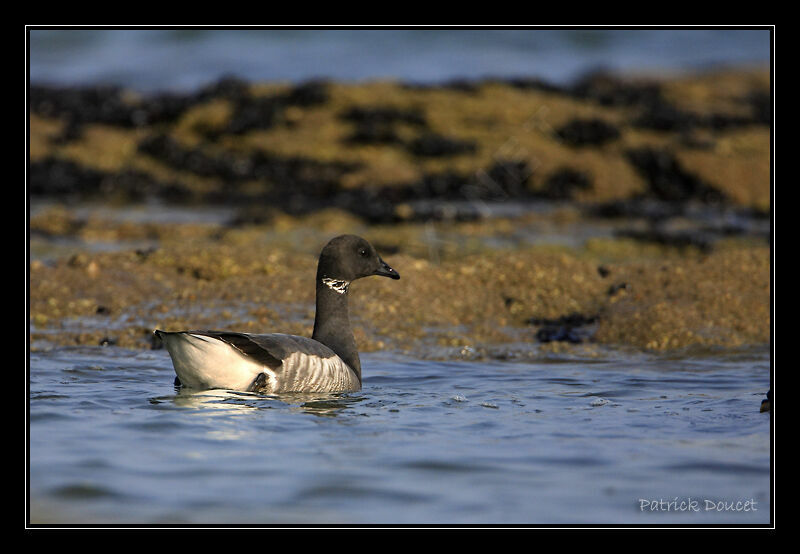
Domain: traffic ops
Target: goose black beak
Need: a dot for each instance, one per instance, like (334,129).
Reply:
(386,271)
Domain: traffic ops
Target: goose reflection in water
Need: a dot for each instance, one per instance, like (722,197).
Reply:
(223,402)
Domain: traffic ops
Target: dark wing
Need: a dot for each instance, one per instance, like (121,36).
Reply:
(243,343)
(282,346)
(271,349)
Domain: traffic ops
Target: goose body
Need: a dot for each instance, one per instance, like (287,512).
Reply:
(277,362)
(237,361)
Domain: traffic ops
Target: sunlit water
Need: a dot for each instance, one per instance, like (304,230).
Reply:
(557,440)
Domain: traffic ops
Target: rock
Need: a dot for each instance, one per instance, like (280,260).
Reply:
(667,180)
(614,289)
(563,329)
(563,183)
(433,145)
(588,132)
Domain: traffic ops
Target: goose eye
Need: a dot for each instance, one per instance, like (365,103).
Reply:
(364,253)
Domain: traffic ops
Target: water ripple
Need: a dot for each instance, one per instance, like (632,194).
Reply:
(110,438)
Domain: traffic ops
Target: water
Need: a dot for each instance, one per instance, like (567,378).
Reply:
(184,59)
(557,440)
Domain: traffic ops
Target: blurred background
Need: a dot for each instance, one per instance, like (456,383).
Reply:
(436,144)
(184,59)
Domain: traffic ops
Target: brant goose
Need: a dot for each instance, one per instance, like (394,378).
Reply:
(766,404)
(276,363)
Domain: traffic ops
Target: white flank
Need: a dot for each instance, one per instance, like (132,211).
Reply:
(207,363)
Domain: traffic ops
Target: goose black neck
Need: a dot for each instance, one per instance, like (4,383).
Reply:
(332,322)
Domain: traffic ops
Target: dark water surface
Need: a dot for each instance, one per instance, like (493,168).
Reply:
(558,440)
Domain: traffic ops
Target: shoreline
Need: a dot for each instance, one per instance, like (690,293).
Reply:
(642,210)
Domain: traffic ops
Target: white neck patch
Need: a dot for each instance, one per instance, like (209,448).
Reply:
(336,285)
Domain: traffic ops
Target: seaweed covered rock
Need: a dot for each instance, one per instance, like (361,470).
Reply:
(588,132)
(375,148)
